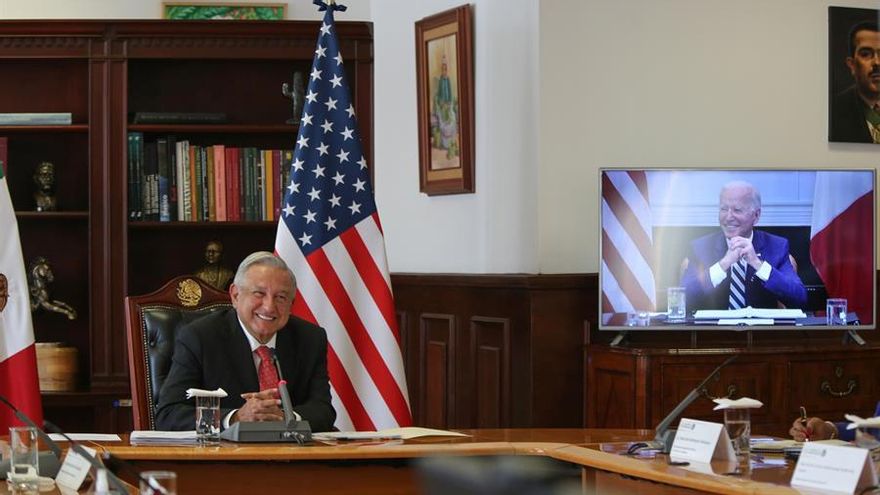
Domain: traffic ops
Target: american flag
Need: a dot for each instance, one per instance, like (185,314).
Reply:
(627,243)
(329,234)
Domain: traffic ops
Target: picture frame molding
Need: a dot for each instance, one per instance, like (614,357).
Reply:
(458,180)
(201,4)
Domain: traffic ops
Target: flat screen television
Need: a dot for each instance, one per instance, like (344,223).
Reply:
(787,240)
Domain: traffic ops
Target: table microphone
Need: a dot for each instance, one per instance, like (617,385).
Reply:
(49,462)
(663,435)
(78,448)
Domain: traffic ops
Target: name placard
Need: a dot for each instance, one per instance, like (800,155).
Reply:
(74,469)
(833,468)
(701,441)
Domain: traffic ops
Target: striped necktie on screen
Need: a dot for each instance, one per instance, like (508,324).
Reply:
(737,298)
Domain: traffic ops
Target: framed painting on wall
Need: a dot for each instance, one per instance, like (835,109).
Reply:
(853,75)
(223,10)
(444,73)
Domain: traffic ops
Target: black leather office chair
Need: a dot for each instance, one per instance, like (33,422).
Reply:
(151,325)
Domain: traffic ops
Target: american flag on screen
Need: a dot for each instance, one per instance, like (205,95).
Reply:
(329,234)
(627,243)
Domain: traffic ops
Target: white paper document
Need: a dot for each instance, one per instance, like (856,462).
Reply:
(387,434)
(833,468)
(146,437)
(749,312)
(74,469)
(701,441)
(86,437)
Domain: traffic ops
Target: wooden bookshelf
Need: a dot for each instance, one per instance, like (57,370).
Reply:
(101,72)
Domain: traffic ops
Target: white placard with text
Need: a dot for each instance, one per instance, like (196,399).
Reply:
(701,441)
(834,468)
(74,469)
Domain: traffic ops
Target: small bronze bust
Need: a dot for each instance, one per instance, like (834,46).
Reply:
(44,193)
(212,272)
(39,277)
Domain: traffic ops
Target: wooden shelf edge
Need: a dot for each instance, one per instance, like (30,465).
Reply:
(198,225)
(215,128)
(49,215)
(73,128)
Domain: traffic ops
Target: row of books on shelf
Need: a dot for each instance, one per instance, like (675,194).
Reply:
(171,180)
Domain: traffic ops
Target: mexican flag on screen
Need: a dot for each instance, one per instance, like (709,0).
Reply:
(842,238)
(18,358)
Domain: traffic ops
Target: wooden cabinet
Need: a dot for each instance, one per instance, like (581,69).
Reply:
(637,387)
(101,72)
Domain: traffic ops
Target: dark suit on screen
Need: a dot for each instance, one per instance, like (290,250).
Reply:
(847,122)
(213,352)
(784,285)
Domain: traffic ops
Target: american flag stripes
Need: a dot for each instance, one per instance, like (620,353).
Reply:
(329,234)
(627,243)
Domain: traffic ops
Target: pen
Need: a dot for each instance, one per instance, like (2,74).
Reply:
(804,422)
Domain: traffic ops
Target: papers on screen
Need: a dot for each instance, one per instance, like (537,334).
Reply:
(149,437)
(387,434)
(857,422)
(749,312)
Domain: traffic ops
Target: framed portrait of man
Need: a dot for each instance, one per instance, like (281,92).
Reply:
(854,75)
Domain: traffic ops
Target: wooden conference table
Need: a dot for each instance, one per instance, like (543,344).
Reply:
(387,467)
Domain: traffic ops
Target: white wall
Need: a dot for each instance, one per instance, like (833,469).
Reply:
(564,87)
(494,230)
(151,9)
(688,83)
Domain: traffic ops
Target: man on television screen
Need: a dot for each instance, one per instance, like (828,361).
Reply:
(740,266)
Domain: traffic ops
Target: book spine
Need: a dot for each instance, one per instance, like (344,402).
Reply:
(173,185)
(220,181)
(162,181)
(278,187)
(210,180)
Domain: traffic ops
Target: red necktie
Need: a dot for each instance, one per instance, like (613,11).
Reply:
(268,373)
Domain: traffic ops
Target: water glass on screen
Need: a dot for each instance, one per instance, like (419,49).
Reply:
(835,311)
(676,304)
(208,420)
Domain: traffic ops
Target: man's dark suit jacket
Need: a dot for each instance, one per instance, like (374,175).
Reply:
(847,122)
(213,352)
(784,285)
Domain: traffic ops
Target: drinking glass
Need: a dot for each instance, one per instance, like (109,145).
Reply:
(739,428)
(158,483)
(835,311)
(25,462)
(676,305)
(208,420)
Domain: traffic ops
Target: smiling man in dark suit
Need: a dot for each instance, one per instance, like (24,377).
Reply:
(761,259)
(225,349)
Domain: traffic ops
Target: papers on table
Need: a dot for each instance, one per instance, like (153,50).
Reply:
(146,437)
(86,437)
(198,392)
(741,403)
(749,312)
(387,434)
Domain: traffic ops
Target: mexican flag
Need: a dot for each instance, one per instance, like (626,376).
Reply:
(18,358)
(842,238)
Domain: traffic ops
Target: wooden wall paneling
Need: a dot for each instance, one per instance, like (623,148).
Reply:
(558,307)
(437,371)
(612,391)
(490,347)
